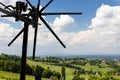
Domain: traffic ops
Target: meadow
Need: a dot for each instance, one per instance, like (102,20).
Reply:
(15,76)
(96,68)
(69,71)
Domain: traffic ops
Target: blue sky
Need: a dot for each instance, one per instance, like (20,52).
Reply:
(96,31)
(87,7)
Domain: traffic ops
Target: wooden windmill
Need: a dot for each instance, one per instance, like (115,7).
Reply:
(31,18)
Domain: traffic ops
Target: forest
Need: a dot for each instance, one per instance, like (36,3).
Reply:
(56,68)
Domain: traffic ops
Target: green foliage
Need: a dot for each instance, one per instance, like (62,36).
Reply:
(113,64)
(105,77)
(77,78)
(29,70)
(49,59)
(78,61)
(95,62)
(47,73)
(76,73)
(12,76)
(63,73)
(1,64)
(11,63)
(9,66)
(85,68)
(9,57)
(93,78)
(57,75)
(39,70)
(15,67)
(12,66)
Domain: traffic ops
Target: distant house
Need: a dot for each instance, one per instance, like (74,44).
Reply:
(51,78)
(117,74)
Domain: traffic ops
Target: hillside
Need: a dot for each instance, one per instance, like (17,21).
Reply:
(92,69)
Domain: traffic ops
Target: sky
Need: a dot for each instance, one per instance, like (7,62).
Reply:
(95,32)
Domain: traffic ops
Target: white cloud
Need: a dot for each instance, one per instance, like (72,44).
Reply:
(6,31)
(104,31)
(62,22)
(46,38)
(103,34)
(10,2)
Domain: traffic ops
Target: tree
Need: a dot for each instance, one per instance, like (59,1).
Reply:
(47,73)
(39,70)
(29,70)
(63,73)
(7,66)
(15,67)
(57,75)
(77,72)
(77,78)
(93,78)
(1,65)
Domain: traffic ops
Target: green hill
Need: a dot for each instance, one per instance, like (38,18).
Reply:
(87,69)
(69,71)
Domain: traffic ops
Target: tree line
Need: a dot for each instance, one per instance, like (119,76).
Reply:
(15,58)
(11,63)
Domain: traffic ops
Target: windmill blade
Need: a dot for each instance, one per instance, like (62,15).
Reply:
(30,4)
(46,5)
(16,37)
(52,32)
(35,39)
(38,5)
(6,7)
(6,15)
(2,4)
(20,16)
(62,13)
(12,15)
(6,12)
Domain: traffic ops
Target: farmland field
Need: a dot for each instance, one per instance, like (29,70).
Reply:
(69,71)
(97,69)
(14,76)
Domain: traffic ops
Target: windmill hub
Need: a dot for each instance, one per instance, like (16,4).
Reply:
(21,6)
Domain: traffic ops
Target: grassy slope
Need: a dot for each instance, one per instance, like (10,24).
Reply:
(14,76)
(96,68)
(69,71)
(6,75)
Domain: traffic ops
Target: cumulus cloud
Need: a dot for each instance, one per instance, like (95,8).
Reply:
(102,35)
(10,2)
(6,31)
(62,22)
(104,30)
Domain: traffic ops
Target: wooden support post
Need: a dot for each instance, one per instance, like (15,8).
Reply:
(24,51)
